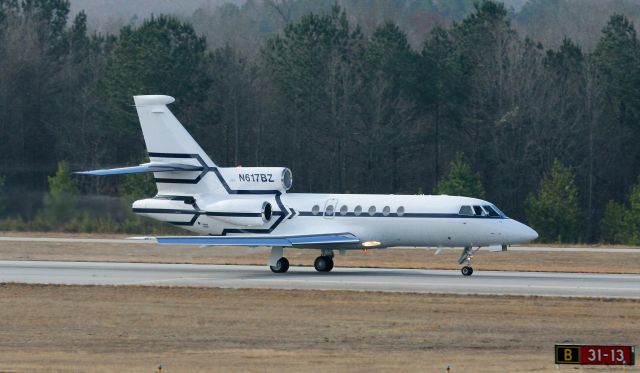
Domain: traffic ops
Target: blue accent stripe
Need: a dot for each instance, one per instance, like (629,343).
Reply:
(171,155)
(205,168)
(186,223)
(173,198)
(405,215)
(283,213)
(140,210)
(236,214)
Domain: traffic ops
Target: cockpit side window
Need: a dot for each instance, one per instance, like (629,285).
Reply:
(491,211)
(478,210)
(466,211)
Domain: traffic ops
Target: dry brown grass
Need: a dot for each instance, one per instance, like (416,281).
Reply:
(89,328)
(390,258)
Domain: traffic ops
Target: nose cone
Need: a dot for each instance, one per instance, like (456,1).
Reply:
(521,233)
(529,233)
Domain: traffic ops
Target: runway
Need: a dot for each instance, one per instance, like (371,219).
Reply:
(129,241)
(360,279)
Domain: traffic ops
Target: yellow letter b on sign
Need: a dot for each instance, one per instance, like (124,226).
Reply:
(567,354)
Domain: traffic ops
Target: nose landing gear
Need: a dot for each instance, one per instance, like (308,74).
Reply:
(277,262)
(282,266)
(466,255)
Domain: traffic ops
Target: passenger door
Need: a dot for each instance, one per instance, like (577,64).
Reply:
(330,208)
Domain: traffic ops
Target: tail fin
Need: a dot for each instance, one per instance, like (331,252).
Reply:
(180,166)
(169,142)
(162,132)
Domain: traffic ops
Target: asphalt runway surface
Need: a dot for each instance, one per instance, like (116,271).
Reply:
(361,279)
(151,242)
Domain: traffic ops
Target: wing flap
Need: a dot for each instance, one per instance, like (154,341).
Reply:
(146,167)
(283,241)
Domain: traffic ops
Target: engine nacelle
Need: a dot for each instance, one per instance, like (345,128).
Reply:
(257,178)
(241,212)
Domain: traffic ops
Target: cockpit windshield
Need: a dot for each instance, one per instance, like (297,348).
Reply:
(484,210)
(495,210)
(491,211)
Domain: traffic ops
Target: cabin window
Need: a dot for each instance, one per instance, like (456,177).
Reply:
(343,210)
(315,210)
(372,210)
(328,211)
(478,210)
(386,210)
(466,211)
(490,210)
(400,211)
(358,210)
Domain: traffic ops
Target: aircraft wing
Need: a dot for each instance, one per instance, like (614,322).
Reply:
(283,241)
(146,167)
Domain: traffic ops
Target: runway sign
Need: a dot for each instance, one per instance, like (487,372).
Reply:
(595,355)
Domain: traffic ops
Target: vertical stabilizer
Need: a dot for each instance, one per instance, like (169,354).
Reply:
(168,141)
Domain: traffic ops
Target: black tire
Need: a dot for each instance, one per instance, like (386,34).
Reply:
(282,266)
(321,264)
(330,262)
(466,271)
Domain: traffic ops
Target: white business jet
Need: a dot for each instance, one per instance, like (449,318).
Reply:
(250,206)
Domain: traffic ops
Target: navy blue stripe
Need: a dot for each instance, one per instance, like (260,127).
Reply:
(173,198)
(203,171)
(405,215)
(238,214)
(163,211)
(170,155)
(196,212)
(283,213)
(186,223)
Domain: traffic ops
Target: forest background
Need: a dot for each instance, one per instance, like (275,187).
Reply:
(533,105)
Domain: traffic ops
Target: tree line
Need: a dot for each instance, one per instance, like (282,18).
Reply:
(548,134)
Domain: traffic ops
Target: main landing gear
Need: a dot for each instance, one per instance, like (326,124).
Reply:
(324,263)
(280,264)
(466,256)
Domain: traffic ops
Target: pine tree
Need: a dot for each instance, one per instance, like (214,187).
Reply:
(555,212)
(621,224)
(60,203)
(163,56)
(617,57)
(612,225)
(461,181)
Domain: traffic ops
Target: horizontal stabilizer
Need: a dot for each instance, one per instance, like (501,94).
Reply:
(286,241)
(146,167)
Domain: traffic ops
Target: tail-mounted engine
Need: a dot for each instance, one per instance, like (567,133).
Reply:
(257,178)
(241,212)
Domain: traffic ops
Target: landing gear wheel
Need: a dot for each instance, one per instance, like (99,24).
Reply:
(323,263)
(330,267)
(282,266)
(466,271)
